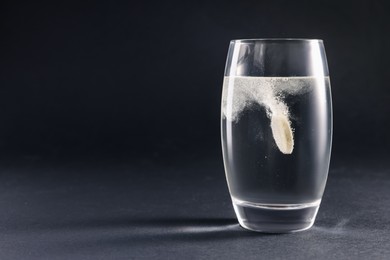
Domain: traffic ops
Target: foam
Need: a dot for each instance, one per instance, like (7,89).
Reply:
(240,92)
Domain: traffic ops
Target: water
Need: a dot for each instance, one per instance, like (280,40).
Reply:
(276,138)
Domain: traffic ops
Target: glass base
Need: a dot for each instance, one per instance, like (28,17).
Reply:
(280,218)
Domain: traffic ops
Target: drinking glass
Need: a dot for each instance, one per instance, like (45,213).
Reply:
(276,126)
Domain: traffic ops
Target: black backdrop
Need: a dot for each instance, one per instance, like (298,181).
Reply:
(110,138)
(131,80)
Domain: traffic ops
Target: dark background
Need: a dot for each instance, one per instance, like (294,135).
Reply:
(110,138)
(144,79)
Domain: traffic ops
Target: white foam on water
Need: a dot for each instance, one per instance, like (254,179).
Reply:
(240,92)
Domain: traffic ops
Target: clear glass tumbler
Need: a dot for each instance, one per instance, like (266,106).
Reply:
(276,124)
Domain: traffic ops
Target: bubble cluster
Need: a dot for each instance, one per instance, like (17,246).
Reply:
(240,92)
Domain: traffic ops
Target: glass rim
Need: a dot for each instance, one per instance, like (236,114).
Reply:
(275,40)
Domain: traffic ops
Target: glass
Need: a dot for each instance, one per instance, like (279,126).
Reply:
(276,126)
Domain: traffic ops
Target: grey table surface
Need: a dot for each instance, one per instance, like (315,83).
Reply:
(180,210)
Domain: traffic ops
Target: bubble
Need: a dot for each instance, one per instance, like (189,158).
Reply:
(241,92)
